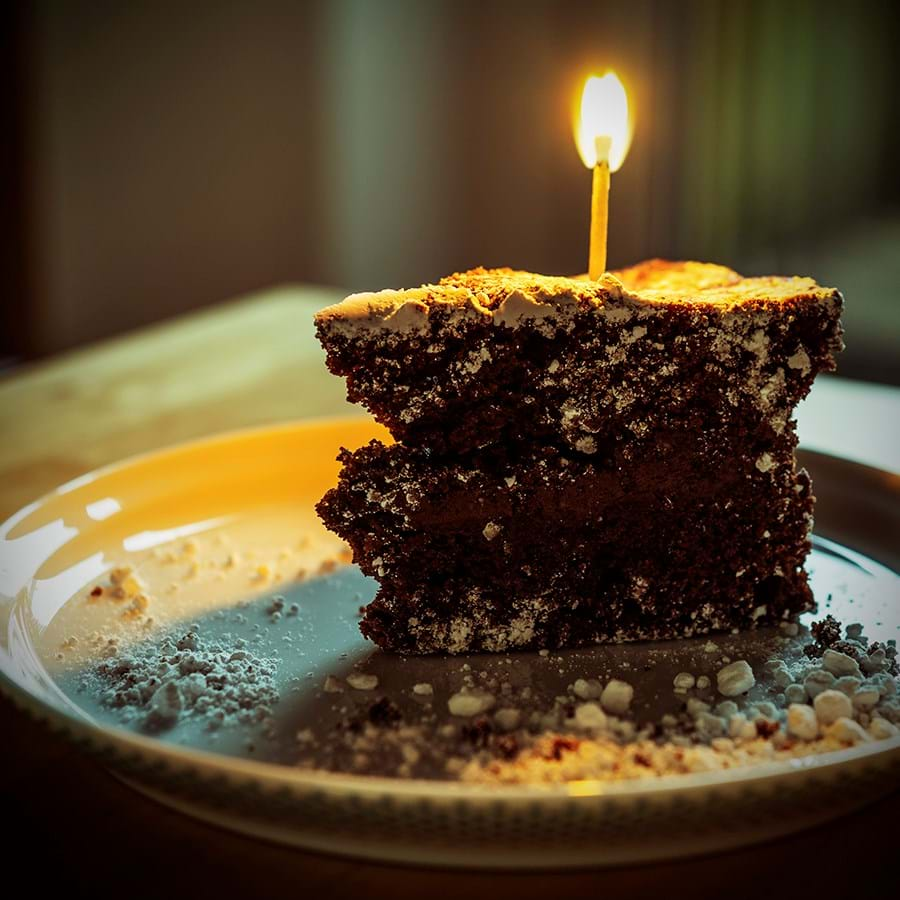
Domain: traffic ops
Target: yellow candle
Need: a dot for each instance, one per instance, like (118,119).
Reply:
(599,209)
(602,134)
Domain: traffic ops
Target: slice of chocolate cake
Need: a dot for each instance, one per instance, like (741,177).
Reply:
(579,461)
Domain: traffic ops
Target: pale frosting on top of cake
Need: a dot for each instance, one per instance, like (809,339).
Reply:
(509,296)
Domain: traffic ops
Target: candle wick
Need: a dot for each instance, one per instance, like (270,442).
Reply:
(602,146)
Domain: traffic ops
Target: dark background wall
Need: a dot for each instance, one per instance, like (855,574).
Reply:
(165,156)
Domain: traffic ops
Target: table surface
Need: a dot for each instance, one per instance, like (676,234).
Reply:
(252,362)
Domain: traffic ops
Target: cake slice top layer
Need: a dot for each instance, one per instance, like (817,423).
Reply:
(494,356)
(511,297)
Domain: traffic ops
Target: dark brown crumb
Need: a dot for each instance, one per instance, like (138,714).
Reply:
(506,746)
(827,632)
(384,712)
(561,745)
(351,724)
(849,648)
(478,732)
(765,728)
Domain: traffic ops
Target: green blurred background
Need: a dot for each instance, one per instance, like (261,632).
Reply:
(168,156)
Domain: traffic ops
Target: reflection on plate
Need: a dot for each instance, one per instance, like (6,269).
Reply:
(217,545)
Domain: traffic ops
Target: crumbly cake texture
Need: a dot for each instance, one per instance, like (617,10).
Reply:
(550,551)
(579,461)
(492,356)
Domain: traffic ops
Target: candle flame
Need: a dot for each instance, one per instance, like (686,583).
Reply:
(604,113)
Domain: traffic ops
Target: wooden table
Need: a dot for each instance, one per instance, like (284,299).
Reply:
(246,363)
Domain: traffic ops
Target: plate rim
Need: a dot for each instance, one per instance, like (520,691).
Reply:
(274,775)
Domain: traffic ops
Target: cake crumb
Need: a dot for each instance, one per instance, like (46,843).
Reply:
(832,705)
(802,722)
(881,729)
(361,681)
(468,703)
(617,696)
(735,679)
(847,731)
(587,689)
(120,574)
(590,715)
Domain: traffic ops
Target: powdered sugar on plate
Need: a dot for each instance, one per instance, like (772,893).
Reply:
(157,683)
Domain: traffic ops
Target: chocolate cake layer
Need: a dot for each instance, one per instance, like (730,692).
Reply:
(550,549)
(511,358)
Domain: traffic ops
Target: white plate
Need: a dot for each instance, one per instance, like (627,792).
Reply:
(252,494)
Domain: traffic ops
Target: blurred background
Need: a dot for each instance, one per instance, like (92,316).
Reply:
(167,156)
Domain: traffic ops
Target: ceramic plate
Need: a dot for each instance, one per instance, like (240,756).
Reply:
(223,542)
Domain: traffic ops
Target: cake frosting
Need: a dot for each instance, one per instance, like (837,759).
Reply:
(510,297)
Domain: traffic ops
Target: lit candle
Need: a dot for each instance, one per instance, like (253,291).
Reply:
(603,135)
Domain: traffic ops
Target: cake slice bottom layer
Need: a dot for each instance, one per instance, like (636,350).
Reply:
(552,551)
